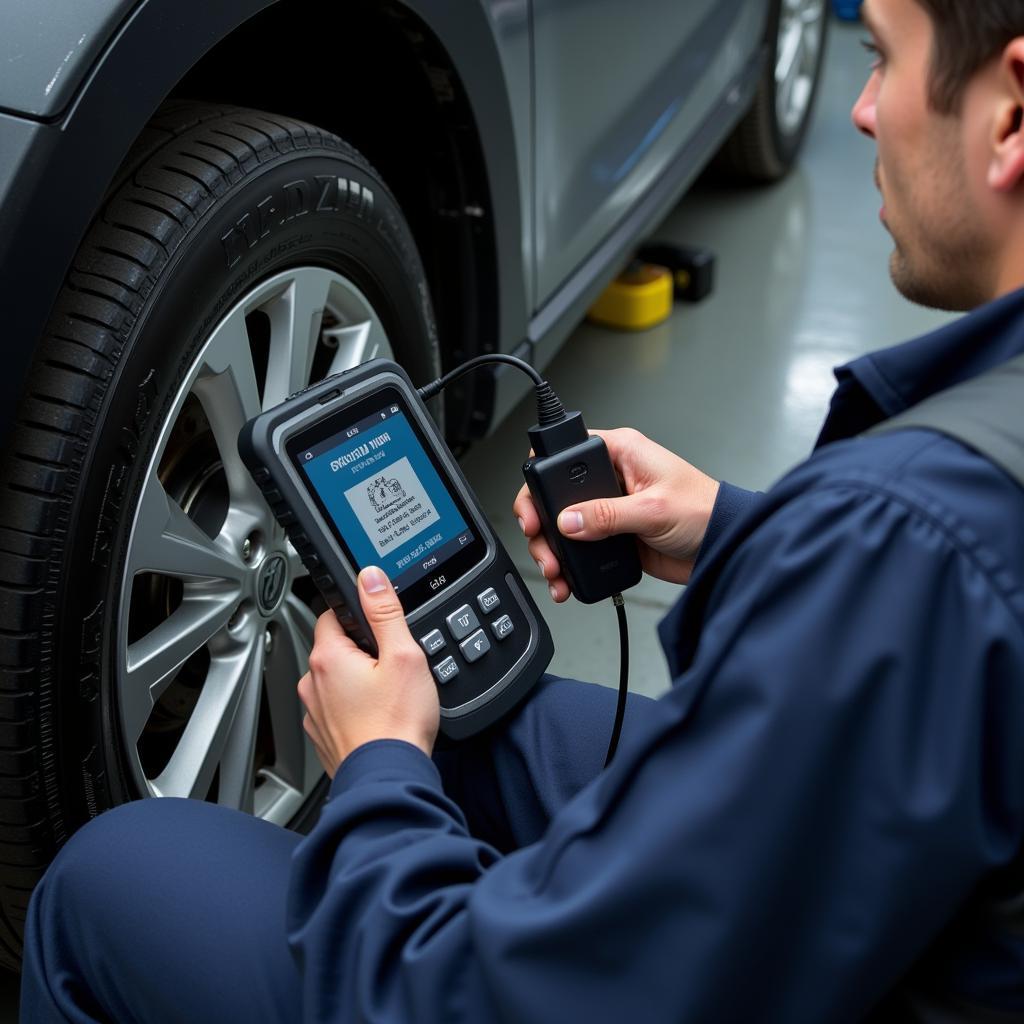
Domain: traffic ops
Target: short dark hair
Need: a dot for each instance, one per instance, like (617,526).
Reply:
(968,34)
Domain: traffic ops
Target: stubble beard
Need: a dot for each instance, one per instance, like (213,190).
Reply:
(940,261)
(947,283)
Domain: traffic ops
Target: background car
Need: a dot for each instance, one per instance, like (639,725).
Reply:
(204,207)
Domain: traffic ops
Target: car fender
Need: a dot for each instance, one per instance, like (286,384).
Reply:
(57,161)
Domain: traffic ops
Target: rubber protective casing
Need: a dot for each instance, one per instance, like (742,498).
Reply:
(478,700)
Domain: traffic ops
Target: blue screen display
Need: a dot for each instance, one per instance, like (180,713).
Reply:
(386,498)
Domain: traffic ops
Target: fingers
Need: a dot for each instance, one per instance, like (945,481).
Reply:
(549,567)
(540,551)
(526,512)
(621,440)
(330,643)
(328,632)
(624,446)
(307,694)
(385,615)
(595,520)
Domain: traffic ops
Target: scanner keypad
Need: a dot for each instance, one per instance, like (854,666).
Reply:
(482,631)
(502,627)
(433,642)
(475,647)
(446,671)
(462,622)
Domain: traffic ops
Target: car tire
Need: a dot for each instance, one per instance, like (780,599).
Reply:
(214,211)
(765,144)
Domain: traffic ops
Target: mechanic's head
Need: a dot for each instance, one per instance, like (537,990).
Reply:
(945,103)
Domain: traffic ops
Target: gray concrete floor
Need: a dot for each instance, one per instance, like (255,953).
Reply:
(738,384)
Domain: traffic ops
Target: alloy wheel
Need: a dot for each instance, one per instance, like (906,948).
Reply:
(217,611)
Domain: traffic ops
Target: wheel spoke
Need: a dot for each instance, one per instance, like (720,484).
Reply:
(357,343)
(227,390)
(801,94)
(287,662)
(166,541)
(811,32)
(295,316)
(787,64)
(153,659)
(202,746)
(811,15)
(787,75)
(296,568)
(786,100)
(236,786)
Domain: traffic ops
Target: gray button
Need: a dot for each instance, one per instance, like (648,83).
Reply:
(476,646)
(488,600)
(433,641)
(502,627)
(446,671)
(462,622)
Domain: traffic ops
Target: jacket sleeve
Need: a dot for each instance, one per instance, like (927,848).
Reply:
(815,798)
(732,502)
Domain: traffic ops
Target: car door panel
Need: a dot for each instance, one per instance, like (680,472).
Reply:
(618,91)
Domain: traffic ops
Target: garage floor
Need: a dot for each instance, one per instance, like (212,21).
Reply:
(738,385)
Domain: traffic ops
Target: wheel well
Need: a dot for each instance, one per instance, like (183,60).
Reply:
(375,75)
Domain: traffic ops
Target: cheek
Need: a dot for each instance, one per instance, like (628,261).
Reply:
(890,172)
(956,157)
(899,115)
(902,157)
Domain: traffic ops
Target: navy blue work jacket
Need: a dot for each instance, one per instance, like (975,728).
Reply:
(837,768)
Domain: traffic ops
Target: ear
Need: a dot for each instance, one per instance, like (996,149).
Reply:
(1006,167)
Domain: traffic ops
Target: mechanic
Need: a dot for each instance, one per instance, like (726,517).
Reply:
(809,827)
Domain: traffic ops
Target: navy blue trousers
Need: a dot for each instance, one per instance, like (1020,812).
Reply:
(174,910)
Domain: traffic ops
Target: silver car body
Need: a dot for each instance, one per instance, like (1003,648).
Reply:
(592,116)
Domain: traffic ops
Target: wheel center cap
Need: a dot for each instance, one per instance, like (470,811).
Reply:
(270,582)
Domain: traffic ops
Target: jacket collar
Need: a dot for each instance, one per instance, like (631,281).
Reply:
(882,384)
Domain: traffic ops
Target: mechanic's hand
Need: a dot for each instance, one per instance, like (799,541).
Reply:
(667,504)
(352,697)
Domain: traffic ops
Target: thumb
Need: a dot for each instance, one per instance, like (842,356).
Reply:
(603,517)
(383,611)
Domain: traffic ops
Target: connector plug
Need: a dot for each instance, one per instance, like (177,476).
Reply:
(555,437)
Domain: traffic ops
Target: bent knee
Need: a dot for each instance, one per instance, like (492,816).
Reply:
(111,846)
(561,700)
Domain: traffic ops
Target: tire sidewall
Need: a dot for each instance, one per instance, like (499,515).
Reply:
(257,228)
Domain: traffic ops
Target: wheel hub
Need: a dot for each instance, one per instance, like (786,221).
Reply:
(271,583)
